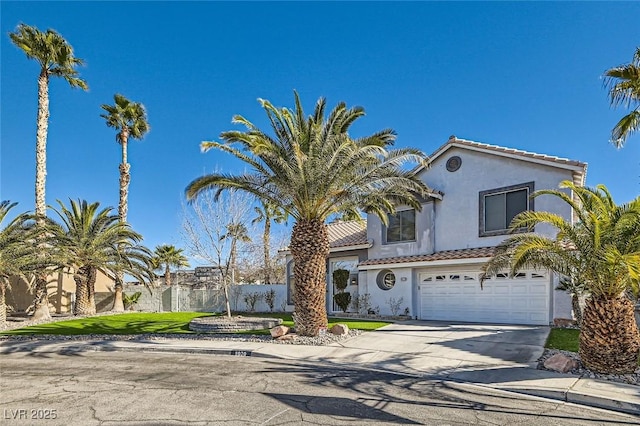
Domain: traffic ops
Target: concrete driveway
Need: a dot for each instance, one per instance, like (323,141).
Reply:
(433,347)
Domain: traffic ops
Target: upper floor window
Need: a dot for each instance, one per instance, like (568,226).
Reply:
(499,206)
(402,226)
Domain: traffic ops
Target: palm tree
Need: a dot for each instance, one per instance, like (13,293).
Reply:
(312,168)
(235,232)
(268,213)
(130,119)
(169,256)
(18,253)
(56,59)
(602,252)
(624,89)
(88,240)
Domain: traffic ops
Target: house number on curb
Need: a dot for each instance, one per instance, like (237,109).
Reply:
(240,353)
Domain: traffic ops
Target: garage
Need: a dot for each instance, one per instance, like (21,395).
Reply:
(457,296)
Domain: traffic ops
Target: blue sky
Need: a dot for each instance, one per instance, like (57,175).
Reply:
(522,75)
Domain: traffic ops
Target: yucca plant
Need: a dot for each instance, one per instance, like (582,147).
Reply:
(602,253)
(312,168)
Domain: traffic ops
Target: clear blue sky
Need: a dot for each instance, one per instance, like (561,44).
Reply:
(522,75)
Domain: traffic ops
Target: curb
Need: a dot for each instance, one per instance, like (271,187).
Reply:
(581,396)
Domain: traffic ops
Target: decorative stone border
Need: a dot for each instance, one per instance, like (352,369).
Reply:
(235,324)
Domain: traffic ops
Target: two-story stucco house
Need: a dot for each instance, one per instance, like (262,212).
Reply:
(432,258)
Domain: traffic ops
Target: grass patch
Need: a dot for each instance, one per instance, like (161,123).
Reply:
(149,322)
(566,339)
(133,323)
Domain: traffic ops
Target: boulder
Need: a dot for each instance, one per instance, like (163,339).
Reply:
(287,337)
(279,331)
(560,363)
(340,329)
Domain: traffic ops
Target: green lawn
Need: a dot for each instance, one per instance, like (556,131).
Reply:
(145,322)
(566,339)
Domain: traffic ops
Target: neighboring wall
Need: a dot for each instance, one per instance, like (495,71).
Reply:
(179,298)
(457,215)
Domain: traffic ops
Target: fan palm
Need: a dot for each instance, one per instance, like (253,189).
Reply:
(624,89)
(89,239)
(602,253)
(312,168)
(56,59)
(169,256)
(267,213)
(130,120)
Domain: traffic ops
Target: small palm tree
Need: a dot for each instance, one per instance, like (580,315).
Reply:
(168,256)
(56,59)
(235,232)
(18,252)
(130,119)
(88,240)
(624,89)
(602,252)
(267,213)
(311,168)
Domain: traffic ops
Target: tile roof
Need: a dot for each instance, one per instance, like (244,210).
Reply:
(344,234)
(511,151)
(469,253)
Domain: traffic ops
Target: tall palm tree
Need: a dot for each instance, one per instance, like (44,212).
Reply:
(89,240)
(624,89)
(312,168)
(130,120)
(56,59)
(267,213)
(236,232)
(169,256)
(18,252)
(602,252)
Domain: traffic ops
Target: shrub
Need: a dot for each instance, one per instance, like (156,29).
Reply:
(341,279)
(270,299)
(363,304)
(131,300)
(251,299)
(394,305)
(342,300)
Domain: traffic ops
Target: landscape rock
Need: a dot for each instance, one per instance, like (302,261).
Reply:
(564,322)
(287,337)
(279,331)
(340,329)
(560,363)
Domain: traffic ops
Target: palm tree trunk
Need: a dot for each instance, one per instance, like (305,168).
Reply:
(81,306)
(3,303)
(267,250)
(118,302)
(41,143)
(167,275)
(125,178)
(310,248)
(91,290)
(41,298)
(577,310)
(609,339)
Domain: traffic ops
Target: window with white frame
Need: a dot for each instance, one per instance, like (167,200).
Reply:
(499,206)
(401,227)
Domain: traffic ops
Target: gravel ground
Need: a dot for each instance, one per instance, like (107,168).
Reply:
(325,339)
(633,379)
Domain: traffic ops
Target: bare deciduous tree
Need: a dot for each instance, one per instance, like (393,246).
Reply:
(205,231)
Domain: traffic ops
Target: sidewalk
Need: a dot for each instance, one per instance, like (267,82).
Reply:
(458,366)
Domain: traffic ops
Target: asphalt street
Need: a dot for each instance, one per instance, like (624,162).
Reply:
(146,388)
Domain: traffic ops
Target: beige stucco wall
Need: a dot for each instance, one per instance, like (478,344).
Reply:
(61,288)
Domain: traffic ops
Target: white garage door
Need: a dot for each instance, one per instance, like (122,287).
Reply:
(456,296)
